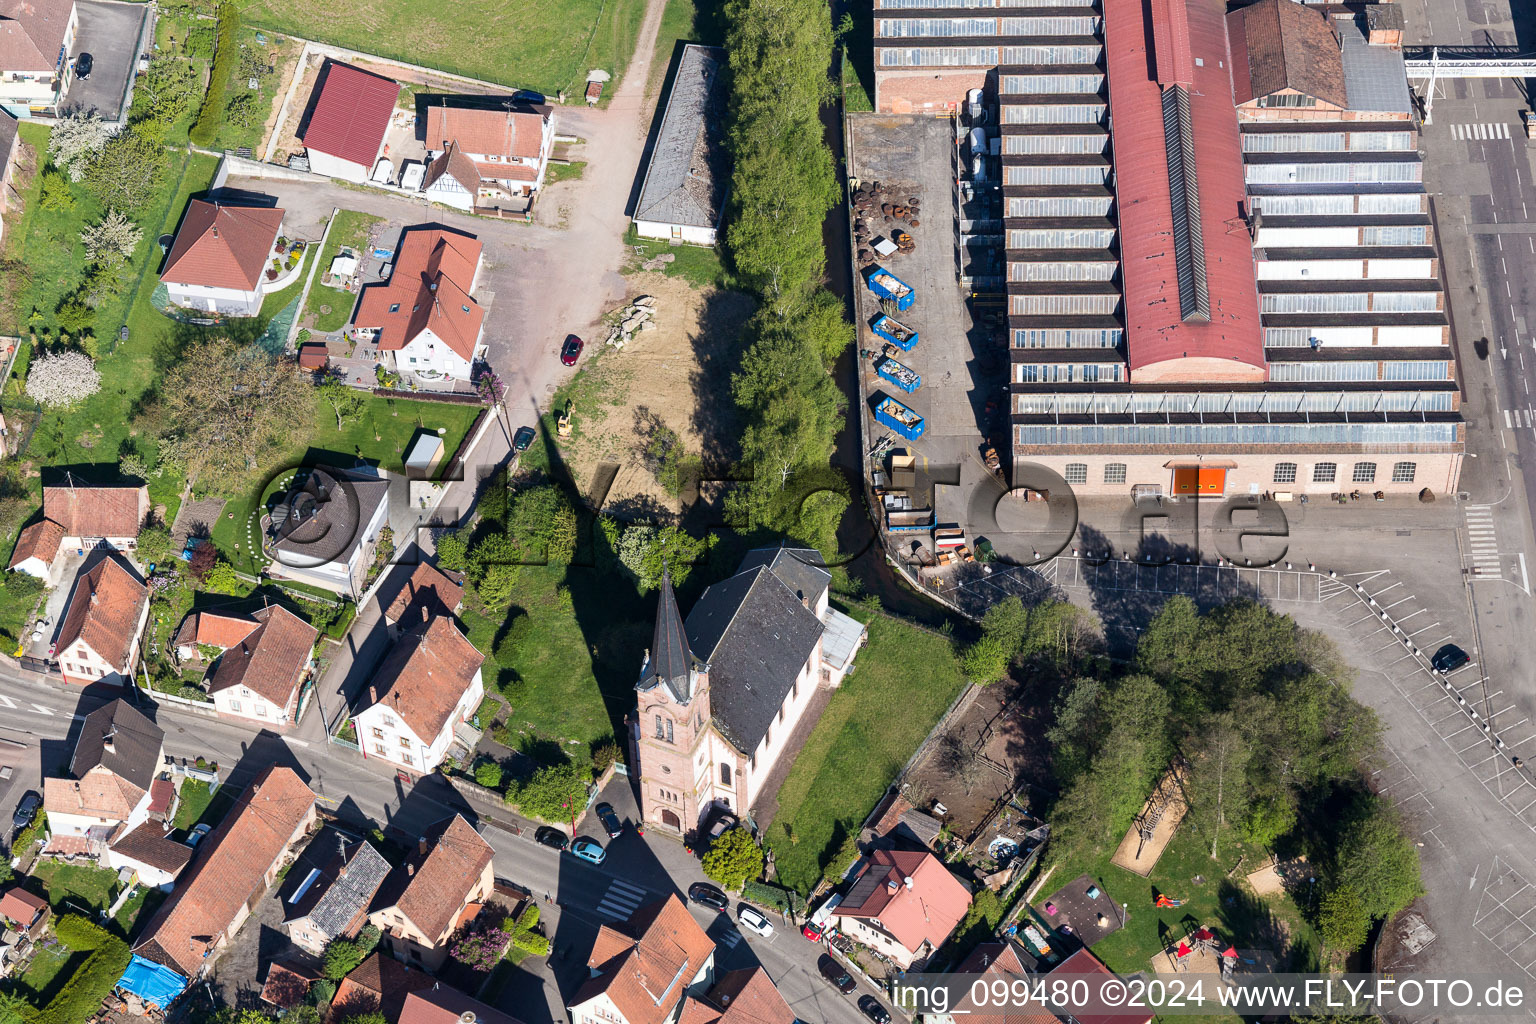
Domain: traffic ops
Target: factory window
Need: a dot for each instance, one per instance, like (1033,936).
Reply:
(1325,472)
(920,28)
(1077,472)
(939,56)
(1404,472)
(1072,25)
(1395,235)
(1114,472)
(1065,54)
(1365,473)
(1285,472)
(1287,99)
(1053,113)
(1054,145)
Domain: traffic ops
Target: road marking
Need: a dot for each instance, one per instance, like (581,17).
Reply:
(42,710)
(1507,424)
(1486,131)
(1482,539)
(7,702)
(620,900)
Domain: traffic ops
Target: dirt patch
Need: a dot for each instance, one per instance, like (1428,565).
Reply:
(1150,833)
(676,376)
(1280,877)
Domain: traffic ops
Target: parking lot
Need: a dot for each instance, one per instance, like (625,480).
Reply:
(111,34)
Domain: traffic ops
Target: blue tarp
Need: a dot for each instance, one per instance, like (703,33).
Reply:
(152,982)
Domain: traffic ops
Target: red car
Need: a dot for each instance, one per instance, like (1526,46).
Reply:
(571,350)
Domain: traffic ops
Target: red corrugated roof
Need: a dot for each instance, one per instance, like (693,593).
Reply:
(1170,43)
(1161,345)
(352,114)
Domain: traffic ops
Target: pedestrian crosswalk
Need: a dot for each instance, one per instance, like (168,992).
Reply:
(620,900)
(1482,543)
(1470,132)
(729,937)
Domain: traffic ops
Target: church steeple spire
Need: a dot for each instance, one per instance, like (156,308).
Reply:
(671,660)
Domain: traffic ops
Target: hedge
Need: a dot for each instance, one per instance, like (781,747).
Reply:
(765,895)
(225,56)
(531,942)
(82,994)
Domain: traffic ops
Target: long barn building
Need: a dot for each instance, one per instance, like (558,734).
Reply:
(1220,265)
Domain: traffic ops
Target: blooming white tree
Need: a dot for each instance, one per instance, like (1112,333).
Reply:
(62,378)
(76,138)
(112,241)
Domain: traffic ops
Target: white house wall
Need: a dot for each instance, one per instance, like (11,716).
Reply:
(336,167)
(688,233)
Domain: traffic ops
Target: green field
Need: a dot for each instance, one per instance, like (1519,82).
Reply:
(547,45)
(90,887)
(903,681)
(350,229)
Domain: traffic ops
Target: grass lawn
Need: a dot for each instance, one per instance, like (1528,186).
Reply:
(565,172)
(696,264)
(684,21)
(1247,921)
(380,436)
(91,887)
(273,304)
(141,906)
(859,744)
(18,602)
(547,45)
(47,966)
(195,798)
(349,228)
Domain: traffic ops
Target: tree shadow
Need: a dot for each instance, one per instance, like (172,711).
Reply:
(717,349)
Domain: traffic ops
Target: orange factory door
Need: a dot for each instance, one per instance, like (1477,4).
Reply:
(1199,480)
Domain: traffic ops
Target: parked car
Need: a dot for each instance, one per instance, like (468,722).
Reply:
(1450,658)
(871,1008)
(571,350)
(528,96)
(522,439)
(706,895)
(26,810)
(610,820)
(553,838)
(835,973)
(755,920)
(83,66)
(589,850)
(723,824)
(198,832)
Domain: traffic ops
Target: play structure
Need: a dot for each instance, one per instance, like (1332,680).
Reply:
(1155,826)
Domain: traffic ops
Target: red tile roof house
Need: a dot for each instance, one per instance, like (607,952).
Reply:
(344,133)
(903,904)
(379,984)
(443,1005)
(233,866)
(1091,969)
(439,888)
(221,257)
(429,587)
(486,157)
(78,517)
(424,319)
(116,758)
(999,960)
(24,910)
(428,683)
(643,968)
(261,673)
(149,852)
(99,640)
(746,995)
(35,39)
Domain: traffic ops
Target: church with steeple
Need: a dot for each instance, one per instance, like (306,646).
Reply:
(724,695)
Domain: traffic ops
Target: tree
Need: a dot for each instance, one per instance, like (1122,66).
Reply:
(61,379)
(128,172)
(986,661)
(229,411)
(488,773)
(1377,860)
(342,957)
(154,543)
(112,240)
(544,516)
(453,552)
(1218,782)
(221,579)
(242,109)
(646,550)
(554,793)
(480,949)
(734,859)
(369,1017)
(74,314)
(1342,921)
(204,558)
(346,402)
(75,141)
(844,858)
(167,87)
(498,584)
(57,196)
(13,1009)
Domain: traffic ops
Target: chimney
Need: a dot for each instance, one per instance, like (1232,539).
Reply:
(421,845)
(907,882)
(425,617)
(109,742)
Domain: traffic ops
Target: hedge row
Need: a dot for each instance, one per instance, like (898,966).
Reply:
(226,55)
(82,994)
(766,895)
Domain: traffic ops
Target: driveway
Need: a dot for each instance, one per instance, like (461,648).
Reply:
(110,33)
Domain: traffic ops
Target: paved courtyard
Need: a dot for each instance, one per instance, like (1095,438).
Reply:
(110,33)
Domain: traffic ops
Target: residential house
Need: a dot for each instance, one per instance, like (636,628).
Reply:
(903,904)
(234,865)
(644,967)
(10,142)
(743,996)
(220,260)
(78,517)
(35,39)
(683,198)
(507,150)
(424,320)
(98,641)
(116,758)
(260,676)
(722,696)
(288,984)
(25,911)
(1091,969)
(326,530)
(329,889)
(210,633)
(149,852)
(343,134)
(428,683)
(378,985)
(439,888)
(993,960)
(443,1005)
(427,587)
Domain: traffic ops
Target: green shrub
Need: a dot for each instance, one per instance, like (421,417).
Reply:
(531,942)
(94,980)
(488,773)
(225,54)
(734,859)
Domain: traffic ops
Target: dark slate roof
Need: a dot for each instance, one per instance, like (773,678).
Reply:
(136,741)
(350,873)
(687,177)
(801,569)
(322,520)
(670,660)
(756,636)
